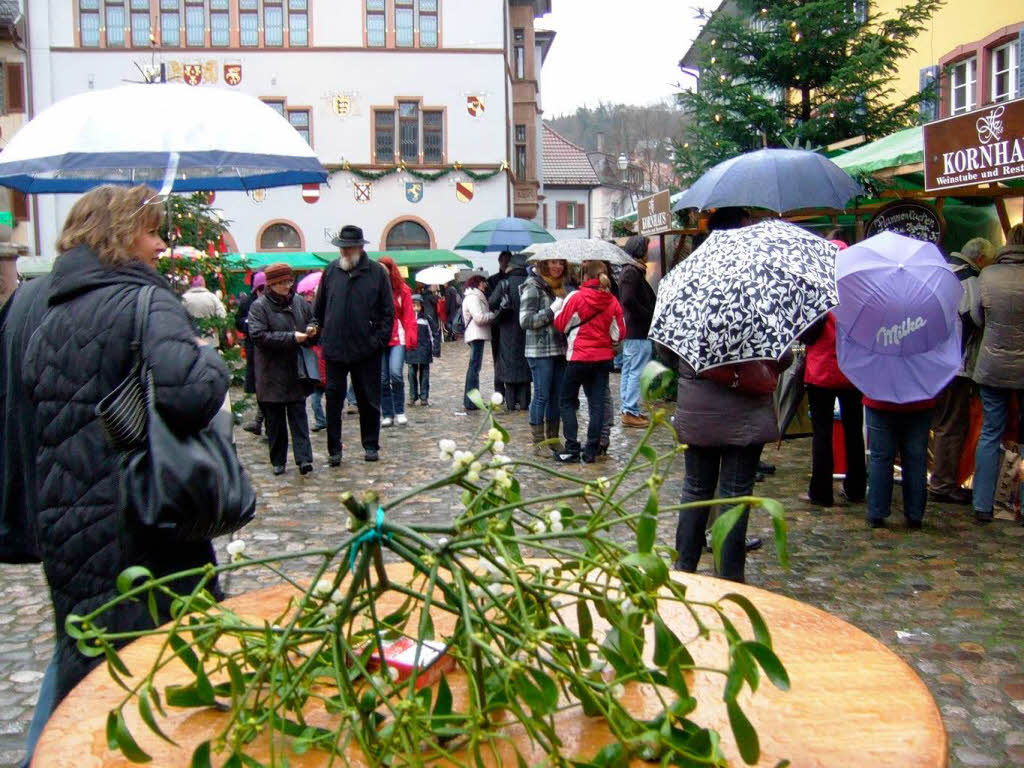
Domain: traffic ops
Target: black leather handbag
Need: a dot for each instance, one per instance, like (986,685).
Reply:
(185,488)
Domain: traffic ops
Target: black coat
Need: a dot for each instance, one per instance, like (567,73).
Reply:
(637,299)
(452,303)
(24,311)
(273,321)
(242,325)
(78,354)
(429,302)
(355,311)
(424,352)
(511,363)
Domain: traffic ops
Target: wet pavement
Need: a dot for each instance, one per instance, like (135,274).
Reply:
(947,598)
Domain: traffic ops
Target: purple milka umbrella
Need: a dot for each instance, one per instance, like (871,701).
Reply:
(898,328)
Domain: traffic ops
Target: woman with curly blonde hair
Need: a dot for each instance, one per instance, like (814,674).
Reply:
(81,350)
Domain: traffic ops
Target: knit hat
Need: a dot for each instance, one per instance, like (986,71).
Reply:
(278,271)
(198,282)
(259,280)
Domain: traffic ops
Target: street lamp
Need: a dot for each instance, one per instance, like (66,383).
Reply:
(624,168)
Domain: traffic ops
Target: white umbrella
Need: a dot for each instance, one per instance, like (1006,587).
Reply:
(170,135)
(578,251)
(436,275)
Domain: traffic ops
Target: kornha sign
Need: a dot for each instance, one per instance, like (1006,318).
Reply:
(654,213)
(981,147)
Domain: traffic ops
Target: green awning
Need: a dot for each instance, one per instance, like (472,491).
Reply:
(298,260)
(421,258)
(904,147)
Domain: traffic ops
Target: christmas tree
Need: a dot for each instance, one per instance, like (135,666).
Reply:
(798,72)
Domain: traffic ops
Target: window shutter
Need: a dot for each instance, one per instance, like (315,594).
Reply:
(1020,64)
(561,215)
(581,213)
(14,84)
(19,205)
(544,208)
(928,80)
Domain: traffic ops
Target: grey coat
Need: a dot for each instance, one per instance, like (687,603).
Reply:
(710,415)
(999,309)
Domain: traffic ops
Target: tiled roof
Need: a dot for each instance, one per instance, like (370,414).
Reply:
(9,11)
(566,163)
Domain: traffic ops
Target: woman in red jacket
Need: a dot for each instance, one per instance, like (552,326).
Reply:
(591,319)
(403,337)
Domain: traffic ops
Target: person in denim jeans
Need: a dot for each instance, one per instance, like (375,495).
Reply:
(540,298)
(403,336)
(638,300)
(478,320)
(999,369)
(901,429)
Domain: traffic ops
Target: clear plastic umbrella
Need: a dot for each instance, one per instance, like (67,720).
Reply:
(436,275)
(578,251)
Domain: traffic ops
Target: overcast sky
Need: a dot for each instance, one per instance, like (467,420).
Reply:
(610,50)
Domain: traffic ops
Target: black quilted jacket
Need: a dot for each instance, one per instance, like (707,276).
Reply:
(78,354)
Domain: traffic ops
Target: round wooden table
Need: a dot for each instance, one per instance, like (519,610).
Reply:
(852,701)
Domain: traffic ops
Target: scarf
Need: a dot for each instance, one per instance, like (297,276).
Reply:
(555,284)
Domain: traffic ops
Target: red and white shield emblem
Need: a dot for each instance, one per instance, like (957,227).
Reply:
(310,193)
(474,105)
(464,191)
(233,74)
(193,74)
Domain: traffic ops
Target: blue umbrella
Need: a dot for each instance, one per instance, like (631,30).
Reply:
(777,179)
(509,234)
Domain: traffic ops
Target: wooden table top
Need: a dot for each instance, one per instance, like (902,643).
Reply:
(852,701)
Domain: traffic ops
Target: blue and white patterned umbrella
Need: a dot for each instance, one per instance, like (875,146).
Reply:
(173,136)
(745,294)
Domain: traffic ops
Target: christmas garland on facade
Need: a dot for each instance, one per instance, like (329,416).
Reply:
(422,175)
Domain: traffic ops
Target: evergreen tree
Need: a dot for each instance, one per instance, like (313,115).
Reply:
(809,72)
(193,223)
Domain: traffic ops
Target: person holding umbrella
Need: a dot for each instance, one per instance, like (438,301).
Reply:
(898,330)
(999,370)
(504,259)
(355,311)
(513,370)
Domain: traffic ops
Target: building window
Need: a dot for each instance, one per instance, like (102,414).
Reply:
(433,136)
(299,118)
(141,23)
(428,23)
(570,215)
(89,22)
(521,164)
(280,237)
(195,24)
(405,13)
(12,87)
(1004,72)
(519,53)
(248,23)
(409,131)
(963,80)
(384,135)
(376,23)
(170,23)
(273,23)
(298,23)
(115,23)
(277,105)
(220,23)
(407,236)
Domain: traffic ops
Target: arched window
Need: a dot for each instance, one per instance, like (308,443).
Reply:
(280,237)
(407,236)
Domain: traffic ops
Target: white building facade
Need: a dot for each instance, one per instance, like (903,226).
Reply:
(392,87)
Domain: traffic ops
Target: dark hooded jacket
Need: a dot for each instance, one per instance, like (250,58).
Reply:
(78,354)
(511,363)
(635,293)
(355,311)
(24,311)
(273,321)
(999,309)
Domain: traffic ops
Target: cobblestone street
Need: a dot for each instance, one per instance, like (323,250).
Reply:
(947,599)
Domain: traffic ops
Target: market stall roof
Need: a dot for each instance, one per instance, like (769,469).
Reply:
(306,260)
(899,149)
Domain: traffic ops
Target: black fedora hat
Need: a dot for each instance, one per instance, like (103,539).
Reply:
(349,236)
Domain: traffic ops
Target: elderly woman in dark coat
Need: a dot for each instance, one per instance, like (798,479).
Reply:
(80,352)
(280,321)
(512,369)
(725,417)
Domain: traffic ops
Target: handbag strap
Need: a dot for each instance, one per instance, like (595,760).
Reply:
(142,305)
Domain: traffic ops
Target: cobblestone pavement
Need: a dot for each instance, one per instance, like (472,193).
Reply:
(947,598)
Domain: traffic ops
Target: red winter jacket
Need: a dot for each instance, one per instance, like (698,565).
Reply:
(404,330)
(822,365)
(591,320)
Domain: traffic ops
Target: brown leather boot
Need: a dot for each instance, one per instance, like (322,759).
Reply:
(537,433)
(551,433)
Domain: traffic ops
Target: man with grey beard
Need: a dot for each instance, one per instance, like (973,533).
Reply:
(356,314)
